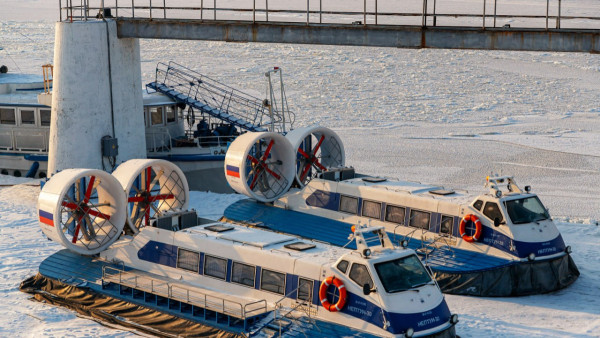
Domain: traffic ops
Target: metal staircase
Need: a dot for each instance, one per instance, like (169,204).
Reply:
(216,99)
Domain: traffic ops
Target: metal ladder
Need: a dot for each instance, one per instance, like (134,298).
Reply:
(216,99)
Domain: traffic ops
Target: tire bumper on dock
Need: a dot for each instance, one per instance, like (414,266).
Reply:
(519,279)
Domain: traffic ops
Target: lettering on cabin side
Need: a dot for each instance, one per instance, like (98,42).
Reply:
(428,321)
(360,311)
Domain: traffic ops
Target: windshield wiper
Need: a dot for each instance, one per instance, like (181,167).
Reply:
(421,284)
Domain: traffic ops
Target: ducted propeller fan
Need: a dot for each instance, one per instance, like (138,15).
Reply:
(153,188)
(84,209)
(260,165)
(317,149)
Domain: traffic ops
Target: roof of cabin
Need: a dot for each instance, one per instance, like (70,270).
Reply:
(258,239)
(156,99)
(416,188)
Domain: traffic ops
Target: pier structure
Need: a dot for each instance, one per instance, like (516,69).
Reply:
(541,25)
(97,108)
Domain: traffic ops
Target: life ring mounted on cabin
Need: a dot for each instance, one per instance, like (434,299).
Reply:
(463,228)
(339,305)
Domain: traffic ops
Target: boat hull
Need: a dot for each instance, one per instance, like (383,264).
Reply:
(458,271)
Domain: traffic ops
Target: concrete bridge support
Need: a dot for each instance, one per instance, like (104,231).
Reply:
(97,93)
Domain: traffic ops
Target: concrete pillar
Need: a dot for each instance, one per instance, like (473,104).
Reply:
(97,92)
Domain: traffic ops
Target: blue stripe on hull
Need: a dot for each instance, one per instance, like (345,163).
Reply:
(519,249)
(356,306)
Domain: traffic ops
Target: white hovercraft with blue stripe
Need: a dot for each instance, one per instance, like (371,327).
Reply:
(499,243)
(236,278)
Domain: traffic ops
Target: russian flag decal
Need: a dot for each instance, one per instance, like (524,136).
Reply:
(232,170)
(46,218)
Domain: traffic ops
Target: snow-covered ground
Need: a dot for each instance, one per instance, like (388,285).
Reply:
(439,116)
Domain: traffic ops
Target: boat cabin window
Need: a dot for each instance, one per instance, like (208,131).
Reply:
(402,274)
(243,274)
(188,260)
(526,210)
(156,116)
(395,214)
(446,225)
(492,211)
(27,117)
(349,204)
(343,266)
(7,116)
(478,204)
(45,117)
(419,219)
(272,281)
(360,275)
(371,209)
(215,267)
(170,114)
(305,287)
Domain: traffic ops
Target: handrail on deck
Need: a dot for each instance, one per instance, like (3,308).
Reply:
(184,294)
(313,13)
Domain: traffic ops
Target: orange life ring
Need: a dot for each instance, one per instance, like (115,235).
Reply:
(463,225)
(323,294)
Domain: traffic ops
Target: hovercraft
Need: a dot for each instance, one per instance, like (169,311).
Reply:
(502,242)
(232,278)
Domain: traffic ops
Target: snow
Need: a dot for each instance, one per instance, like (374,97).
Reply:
(447,117)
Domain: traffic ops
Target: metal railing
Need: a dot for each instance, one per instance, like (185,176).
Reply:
(182,294)
(426,13)
(213,93)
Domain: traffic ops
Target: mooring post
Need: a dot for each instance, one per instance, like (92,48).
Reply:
(132,9)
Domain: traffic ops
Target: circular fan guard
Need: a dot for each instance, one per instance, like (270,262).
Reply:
(153,188)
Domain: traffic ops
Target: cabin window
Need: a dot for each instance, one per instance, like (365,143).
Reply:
(343,266)
(349,204)
(305,287)
(170,114)
(27,117)
(395,214)
(7,116)
(360,275)
(215,267)
(371,209)
(243,274)
(419,219)
(156,116)
(45,117)
(478,204)
(492,211)
(188,260)
(272,281)
(446,225)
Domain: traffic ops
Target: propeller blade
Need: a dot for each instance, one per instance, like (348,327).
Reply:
(314,152)
(268,151)
(88,191)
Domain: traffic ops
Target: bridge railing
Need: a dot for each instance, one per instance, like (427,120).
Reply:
(426,13)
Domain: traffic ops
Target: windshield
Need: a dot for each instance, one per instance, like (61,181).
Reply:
(402,274)
(526,210)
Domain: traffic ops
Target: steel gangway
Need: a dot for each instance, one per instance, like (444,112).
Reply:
(216,99)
